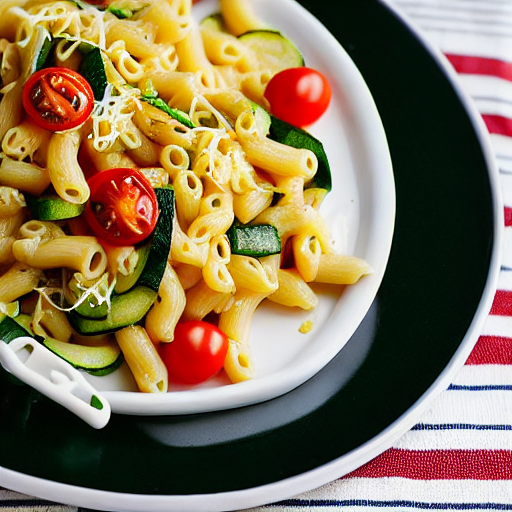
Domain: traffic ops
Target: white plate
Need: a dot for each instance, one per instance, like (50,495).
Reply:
(360,212)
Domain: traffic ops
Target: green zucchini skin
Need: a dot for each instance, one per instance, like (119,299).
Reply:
(52,207)
(274,50)
(256,240)
(154,269)
(92,69)
(290,135)
(98,361)
(126,309)
(10,329)
(124,283)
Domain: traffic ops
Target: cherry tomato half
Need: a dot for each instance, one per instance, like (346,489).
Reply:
(58,99)
(196,353)
(298,96)
(123,208)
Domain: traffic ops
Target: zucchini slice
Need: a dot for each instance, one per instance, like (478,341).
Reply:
(10,329)
(124,283)
(290,135)
(274,51)
(175,113)
(213,22)
(256,240)
(52,207)
(154,270)
(126,309)
(96,360)
(92,69)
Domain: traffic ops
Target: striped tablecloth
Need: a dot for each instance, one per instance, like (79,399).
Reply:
(459,456)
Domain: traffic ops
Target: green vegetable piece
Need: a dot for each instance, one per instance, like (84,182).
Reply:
(124,283)
(95,360)
(254,240)
(126,309)
(92,69)
(120,13)
(153,271)
(10,329)
(44,52)
(214,22)
(175,113)
(273,50)
(290,135)
(52,207)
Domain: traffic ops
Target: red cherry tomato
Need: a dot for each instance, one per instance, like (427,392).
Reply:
(58,99)
(298,96)
(123,208)
(196,353)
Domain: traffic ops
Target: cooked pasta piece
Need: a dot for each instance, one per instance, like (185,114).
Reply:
(140,354)
(81,253)
(65,172)
(168,308)
(341,269)
(293,291)
(19,280)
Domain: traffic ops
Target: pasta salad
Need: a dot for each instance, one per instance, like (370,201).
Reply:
(157,183)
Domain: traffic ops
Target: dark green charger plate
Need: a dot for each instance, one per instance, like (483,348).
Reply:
(442,253)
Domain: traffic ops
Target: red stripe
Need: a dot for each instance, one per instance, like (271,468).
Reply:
(481,66)
(498,124)
(502,304)
(508,216)
(439,465)
(491,350)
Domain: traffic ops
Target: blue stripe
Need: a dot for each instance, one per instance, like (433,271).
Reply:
(487,387)
(460,426)
(295,503)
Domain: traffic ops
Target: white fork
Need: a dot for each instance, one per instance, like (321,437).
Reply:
(40,368)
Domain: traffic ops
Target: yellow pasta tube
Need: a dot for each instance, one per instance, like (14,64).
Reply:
(23,140)
(143,359)
(250,204)
(224,49)
(239,16)
(165,313)
(341,269)
(11,110)
(250,273)
(19,280)
(215,272)
(161,128)
(201,300)
(272,156)
(293,291)
(215,217)
(235,323)
(174,159)
(49,321)
(139,38)
(189,275)
(23,176)
(307,253)
(187,250)
(188,192)
(103,160)
(65,173)
(172,19)
(11,201)
(81,253)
